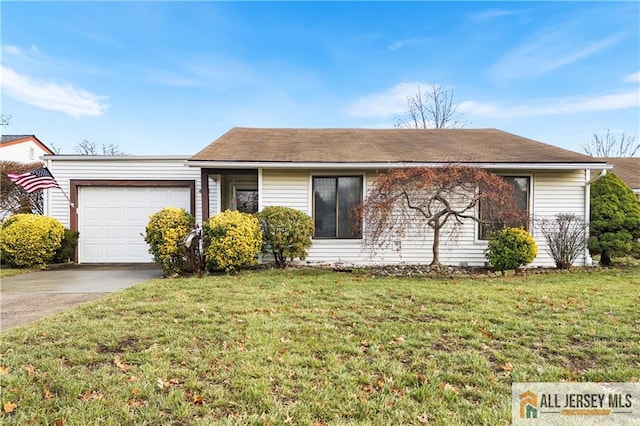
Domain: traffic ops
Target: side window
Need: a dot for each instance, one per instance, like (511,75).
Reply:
(490,224)
(334,198)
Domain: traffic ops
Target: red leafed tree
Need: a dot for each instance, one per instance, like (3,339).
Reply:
(434,197)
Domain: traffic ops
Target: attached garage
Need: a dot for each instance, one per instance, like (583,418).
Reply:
(110,200)
(112,220)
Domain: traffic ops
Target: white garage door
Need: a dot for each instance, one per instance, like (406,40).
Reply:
(112,219)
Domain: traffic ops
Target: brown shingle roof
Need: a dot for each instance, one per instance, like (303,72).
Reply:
(627,169)
(383,146)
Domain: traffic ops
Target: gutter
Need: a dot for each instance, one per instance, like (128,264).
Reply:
(389,165)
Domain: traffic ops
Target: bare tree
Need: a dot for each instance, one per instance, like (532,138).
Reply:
(5,120)
(433,108)
(608,145)
(403,199)
(89,147)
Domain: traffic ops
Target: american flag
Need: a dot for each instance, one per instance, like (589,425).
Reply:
(34,180)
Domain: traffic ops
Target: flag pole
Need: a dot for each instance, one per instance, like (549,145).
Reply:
(67,197)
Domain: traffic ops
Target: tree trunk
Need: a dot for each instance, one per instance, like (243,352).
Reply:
(605,259)
(436,247)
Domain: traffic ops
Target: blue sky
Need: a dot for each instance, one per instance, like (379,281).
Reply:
(171,77)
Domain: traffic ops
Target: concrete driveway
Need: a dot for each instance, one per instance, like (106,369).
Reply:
(28,297)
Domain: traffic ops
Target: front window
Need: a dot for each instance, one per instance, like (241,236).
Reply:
(334,200)
(489,224)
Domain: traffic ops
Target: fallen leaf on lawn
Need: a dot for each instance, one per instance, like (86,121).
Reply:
(285,339)
(9,407)
(47,393)
(31,370)
(132,379)
(507,366)
(198,400)
(399,340)
(136,403)
(451,388)
(121,365)
(60,422)
(424,418)
(4,370)
(160,383)
(486,333)
(135,391)
(90,395)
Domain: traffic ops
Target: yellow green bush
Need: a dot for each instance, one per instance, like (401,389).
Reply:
(232,241)
(165,234)
(287,233)
(511,248)
(30,239)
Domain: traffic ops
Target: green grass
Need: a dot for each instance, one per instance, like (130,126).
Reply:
(317,347)
(10,272)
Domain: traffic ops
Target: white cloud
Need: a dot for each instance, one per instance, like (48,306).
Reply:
(9,49)
(545,52)
(66,98)
(554,106)
(491,14)
(386,104)
(632,78)
(398,44)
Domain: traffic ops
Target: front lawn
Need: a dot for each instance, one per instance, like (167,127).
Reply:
(317,347)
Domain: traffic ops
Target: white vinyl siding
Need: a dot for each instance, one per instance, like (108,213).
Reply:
(555,193)
(551,193)
(286,188)
(214,195)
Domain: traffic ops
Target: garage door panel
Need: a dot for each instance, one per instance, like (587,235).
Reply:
(111,220)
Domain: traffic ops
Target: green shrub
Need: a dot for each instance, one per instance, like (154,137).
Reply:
(286,232)
(232,240)
(68,246)
(30,239)
(165,234)
(511,248)
(615,219)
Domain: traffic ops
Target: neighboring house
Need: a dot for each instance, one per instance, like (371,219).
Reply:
(628,170)
(22,148)
(322,172)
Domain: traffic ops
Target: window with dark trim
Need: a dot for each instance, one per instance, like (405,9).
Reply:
(489,224)
(334,199)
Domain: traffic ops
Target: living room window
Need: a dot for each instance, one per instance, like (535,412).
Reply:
(334,199)
(491,224)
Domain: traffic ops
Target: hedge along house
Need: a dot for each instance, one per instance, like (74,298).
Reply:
(325,172)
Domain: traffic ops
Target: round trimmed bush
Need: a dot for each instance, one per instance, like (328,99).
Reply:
(165,234)
(30,239)
(511,248)
(286,232)
(232,241)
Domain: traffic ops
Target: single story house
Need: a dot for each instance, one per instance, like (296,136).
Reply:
(628,170)
(322,172)
(22,148)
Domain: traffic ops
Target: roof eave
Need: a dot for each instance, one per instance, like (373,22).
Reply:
(392,165)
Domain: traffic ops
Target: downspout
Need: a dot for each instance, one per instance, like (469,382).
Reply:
(588,261)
